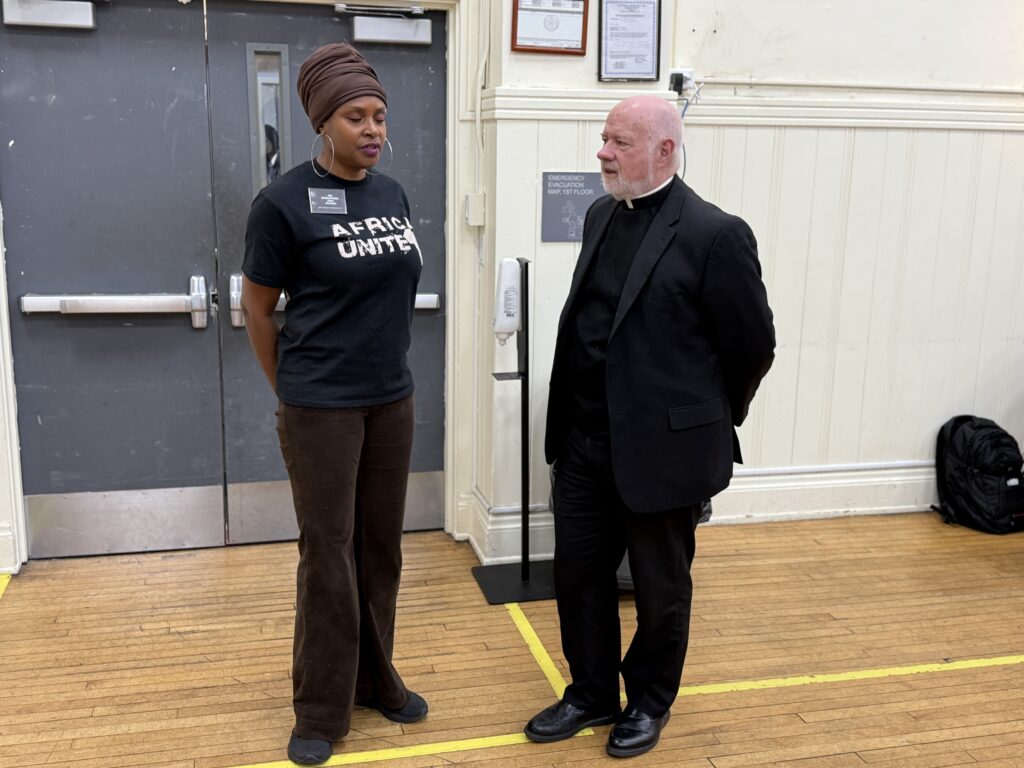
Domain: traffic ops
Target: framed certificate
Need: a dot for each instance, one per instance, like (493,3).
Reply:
(629,43)
(550,26)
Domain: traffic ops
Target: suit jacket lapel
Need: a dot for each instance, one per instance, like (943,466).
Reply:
(586,255)
(658,236)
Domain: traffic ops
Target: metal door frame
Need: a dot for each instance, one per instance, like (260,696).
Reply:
(14,552)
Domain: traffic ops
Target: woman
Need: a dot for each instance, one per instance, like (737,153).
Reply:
(339,242)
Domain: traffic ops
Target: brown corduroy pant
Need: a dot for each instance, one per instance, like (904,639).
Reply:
(349,469)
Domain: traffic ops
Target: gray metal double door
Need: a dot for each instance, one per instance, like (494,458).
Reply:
(129,157)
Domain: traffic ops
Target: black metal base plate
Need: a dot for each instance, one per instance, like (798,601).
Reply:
(504,583)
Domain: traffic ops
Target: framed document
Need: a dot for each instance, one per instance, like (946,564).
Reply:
(630,39)
(550,26)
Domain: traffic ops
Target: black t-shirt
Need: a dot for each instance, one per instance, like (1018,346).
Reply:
(593,311)
(350,275)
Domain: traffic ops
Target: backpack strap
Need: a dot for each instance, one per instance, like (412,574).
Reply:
(946,432)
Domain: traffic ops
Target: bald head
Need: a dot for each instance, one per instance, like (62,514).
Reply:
(642,139)
(659,118)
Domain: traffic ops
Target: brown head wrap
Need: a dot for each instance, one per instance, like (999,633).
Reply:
(332,75)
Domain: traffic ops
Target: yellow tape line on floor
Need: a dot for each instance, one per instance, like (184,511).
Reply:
(537,649)
(559,684)
(397,753)
(4,579)
(841,677)
(462,745)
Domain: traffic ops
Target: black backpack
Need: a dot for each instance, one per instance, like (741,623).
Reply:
(978,469)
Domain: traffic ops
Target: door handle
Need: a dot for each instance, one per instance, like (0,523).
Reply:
(235,301)
(423,301)
(428,301)
(196,303)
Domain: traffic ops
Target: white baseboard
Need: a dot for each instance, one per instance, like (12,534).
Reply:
(816,493)
(470,524)
(10,562)
(495,532)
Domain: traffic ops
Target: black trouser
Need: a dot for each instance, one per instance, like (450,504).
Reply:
(349,469)
(593,528)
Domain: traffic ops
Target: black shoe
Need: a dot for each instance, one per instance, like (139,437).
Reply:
(415,709)
(635,732)
(563,720)
(308,751)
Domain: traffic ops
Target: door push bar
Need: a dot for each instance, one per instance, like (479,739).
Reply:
(423,301)
(196,303)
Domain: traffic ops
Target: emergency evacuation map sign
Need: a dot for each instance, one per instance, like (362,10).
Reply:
(566,198)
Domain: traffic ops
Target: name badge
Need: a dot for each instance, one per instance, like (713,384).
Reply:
(327,201)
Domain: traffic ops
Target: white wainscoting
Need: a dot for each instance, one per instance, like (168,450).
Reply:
(891,231)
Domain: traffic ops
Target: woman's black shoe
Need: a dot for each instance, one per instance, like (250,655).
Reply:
(635,732)
(415,709)
(563,720)
(308,751)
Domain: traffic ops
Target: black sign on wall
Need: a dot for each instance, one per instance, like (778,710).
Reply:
(566,198)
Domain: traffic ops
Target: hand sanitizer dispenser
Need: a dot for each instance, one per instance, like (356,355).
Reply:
(507,314)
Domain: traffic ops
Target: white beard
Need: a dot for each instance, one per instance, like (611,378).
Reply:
(627,190)
(621,189)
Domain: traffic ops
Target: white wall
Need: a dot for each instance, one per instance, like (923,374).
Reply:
(940,43)
(878,154)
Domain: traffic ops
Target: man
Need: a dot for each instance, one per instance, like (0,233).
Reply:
(663,340)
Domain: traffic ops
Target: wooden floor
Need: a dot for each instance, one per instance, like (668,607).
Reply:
(181,659)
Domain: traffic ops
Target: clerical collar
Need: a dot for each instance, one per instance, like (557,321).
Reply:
(652,198)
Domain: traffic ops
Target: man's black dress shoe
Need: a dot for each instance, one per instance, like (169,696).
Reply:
(308,751)
(563,720)
(635,732)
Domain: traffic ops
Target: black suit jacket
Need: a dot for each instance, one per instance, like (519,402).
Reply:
(691,340)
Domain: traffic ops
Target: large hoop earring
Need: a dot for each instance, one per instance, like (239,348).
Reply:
(312,155)
(391,159)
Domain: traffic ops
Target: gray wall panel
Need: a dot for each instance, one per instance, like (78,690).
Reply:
(105,180)
(105,175)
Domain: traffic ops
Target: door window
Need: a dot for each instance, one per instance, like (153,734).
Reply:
(269,121)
